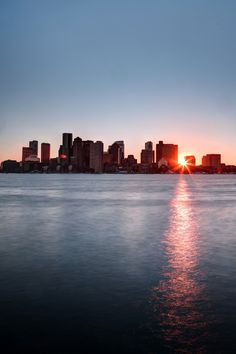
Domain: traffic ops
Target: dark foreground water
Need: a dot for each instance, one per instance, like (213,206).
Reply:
(117,264)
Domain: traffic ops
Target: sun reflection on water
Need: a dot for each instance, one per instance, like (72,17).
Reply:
(179,298)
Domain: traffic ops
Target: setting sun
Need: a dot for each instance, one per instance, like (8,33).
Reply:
(182,161)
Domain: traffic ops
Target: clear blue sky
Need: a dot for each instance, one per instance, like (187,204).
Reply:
(107,70)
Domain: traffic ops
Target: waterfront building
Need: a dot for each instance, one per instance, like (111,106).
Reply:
(190,160)
(66,147)
(115,151)
(61,154)
(10,166)
(32,158)
(169,152)
(122,150)
(131,160)
(45,152)
(107,158)
(96,157)
(107,162)
(53,164)
(78,154)
(86,154)
(212,160)
(31,164)
(130,164)
(67,140)
(162,163)
(26,152)
(147,155)
(34,147)
(149,146)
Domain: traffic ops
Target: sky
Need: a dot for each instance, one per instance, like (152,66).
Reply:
(132,70)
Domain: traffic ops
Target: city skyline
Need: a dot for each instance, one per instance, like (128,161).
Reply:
(77,155)
(17,155)
(35,146)
(131,70)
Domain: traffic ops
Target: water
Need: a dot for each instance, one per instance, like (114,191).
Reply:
(118,263)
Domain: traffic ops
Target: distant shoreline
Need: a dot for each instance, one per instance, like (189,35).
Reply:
(114,173)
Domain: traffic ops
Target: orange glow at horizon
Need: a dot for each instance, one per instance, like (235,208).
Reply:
(13,150)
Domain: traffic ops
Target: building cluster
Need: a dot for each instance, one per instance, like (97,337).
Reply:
(83,156)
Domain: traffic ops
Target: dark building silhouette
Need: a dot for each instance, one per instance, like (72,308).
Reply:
(45,152)
(190,160)
(66,147)
(149,146)
(107,158)
(67,140)
(168,152)
(115,151)
(228,168)
(212,160)
(61,152)
(96,157)
(26,152)
(10,166)
(86,154)
(34,147)
(54,165)
(107,162)
(130,163)
(78,154)
(147,155)
(122,149)
(31,164)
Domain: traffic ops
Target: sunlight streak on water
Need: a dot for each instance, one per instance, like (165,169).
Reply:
(179,294)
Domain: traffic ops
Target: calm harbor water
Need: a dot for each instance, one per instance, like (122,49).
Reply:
(118,263)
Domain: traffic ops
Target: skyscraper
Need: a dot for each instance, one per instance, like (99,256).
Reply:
(147,155)
(96,156)
(149,146)
(45,152)
(34,147)
(67,146)
(169,152)
(26,152)
(115,151)
(78,154)
(67,140)
(86,154)
(122,149)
